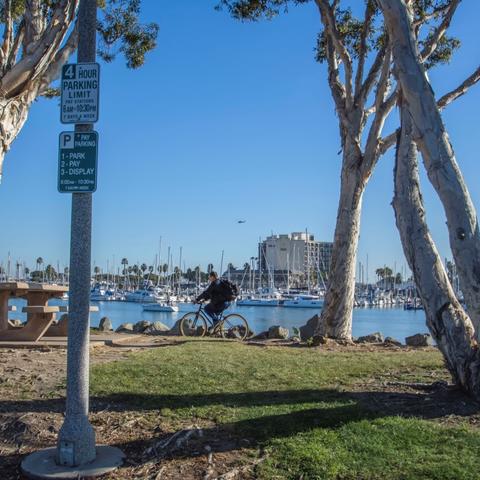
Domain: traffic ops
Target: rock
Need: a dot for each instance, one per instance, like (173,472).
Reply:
(125,328)
(376,337)
(308,330)
(317,340)
(156,328)
(278,332)
(141,326)
(295,339)
(392,341)
(105,325)
(175,330)
(419,340)
(261,336)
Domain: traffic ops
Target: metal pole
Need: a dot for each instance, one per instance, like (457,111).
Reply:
(76,440)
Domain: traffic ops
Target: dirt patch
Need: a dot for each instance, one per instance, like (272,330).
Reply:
(159,448)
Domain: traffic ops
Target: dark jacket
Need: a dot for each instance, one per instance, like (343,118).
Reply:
(214,293)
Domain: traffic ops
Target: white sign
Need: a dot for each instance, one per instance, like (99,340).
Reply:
(80,91)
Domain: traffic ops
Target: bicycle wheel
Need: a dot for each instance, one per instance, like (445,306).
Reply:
(193,324)
(235,326)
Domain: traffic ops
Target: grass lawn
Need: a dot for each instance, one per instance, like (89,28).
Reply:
(313,414)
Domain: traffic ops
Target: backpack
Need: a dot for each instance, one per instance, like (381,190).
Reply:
(229,290)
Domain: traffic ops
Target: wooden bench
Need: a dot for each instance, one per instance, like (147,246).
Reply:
(40,319)
(61,328)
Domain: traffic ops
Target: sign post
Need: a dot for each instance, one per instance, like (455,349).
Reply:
(76,454)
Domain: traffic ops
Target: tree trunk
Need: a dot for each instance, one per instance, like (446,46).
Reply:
(438,156)
(336,318)
(13,114)
(447,321)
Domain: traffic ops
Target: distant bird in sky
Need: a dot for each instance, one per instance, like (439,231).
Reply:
(241,221)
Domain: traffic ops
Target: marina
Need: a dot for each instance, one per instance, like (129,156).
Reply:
(391,321)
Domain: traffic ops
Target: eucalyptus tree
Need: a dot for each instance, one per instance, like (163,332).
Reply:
(439,158)
(455,332)
(358,55)
(38,38)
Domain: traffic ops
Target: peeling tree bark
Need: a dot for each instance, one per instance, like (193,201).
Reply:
(448,323)
(336,317)
(438,155)
(13,115)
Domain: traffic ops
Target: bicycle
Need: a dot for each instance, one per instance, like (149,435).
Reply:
(199,323)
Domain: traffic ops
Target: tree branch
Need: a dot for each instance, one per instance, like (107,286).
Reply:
(460,90)
(330,26)
(432,42)
(369,10)
(17,43)
(387,142)
(34,65)
(336,86)
(362,94)
(34,25)
(62,56)
(7,34)
(383,107)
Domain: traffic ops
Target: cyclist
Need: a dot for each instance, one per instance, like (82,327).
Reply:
(216,294)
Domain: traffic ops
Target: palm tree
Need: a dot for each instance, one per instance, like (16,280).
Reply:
(51,273)
(26,272)
(96,271)
(39,267)
(124,263)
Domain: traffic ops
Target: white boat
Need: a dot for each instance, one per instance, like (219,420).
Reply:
(160,307)
(267,297)
(142,296)
(258,302)
(303,301)
(97,294)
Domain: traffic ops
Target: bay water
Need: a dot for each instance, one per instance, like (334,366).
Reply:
(391,321)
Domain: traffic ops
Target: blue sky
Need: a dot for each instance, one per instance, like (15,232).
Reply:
(226,121)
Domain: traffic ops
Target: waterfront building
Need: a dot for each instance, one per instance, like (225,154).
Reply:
(296,254)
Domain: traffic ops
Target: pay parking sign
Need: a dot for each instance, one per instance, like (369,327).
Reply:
(77,162)
(80,91)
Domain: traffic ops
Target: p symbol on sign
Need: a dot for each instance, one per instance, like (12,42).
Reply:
(67,140)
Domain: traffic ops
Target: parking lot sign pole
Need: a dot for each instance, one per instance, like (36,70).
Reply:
(76,440)
(76,455)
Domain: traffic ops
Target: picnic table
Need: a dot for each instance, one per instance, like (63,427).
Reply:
(40,315)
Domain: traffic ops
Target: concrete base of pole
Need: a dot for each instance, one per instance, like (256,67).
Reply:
(42,464)
(76,440)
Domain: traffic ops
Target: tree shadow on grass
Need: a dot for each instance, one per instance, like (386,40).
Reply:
(297,411)
(433,402)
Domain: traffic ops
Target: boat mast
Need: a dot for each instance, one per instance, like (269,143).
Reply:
(308,260)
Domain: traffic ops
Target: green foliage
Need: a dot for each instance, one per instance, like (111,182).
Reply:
(256,9)
(119,28)
(443,53)
(350,29)
(121,31)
